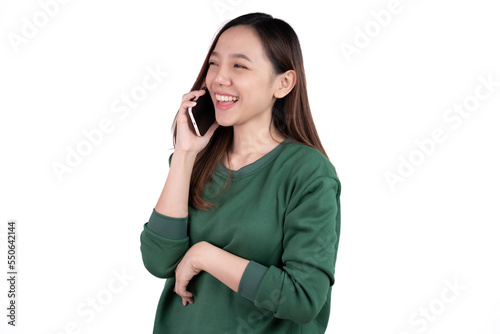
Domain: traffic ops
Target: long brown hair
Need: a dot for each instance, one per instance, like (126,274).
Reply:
(291,115)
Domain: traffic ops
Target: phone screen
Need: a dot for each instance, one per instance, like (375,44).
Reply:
(203,114)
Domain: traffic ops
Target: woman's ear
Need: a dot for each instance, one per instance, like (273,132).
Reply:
(285,83)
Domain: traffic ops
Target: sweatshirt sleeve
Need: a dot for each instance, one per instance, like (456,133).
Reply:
(299,289)
(164,241)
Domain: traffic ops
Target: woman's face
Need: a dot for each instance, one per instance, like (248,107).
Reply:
(241,80)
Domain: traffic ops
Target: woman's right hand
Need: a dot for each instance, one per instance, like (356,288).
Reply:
(186,140)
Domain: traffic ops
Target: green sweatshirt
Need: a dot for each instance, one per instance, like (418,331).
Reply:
(282,213)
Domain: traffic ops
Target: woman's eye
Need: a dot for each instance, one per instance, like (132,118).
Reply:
(239,66)
(212,63)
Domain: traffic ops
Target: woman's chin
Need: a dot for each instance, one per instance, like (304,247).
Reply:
(223,122)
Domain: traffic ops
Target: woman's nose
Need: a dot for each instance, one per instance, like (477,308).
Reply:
(221,77)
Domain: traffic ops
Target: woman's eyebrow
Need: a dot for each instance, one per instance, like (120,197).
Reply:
(233,55)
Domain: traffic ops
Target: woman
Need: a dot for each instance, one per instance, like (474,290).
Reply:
(249,218)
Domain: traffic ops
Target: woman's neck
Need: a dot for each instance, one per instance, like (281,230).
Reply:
(248,146)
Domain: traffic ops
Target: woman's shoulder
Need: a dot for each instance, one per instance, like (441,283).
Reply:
(306,161)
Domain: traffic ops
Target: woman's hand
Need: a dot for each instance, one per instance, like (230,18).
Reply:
(186,140)
(186,270)
(203,256)
(174,198)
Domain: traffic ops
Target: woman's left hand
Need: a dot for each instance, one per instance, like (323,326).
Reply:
(186,270)
(203,256)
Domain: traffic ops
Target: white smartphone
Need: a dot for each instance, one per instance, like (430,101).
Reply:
(202,114)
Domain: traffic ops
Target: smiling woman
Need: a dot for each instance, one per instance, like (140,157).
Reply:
(247,226)
(244,81)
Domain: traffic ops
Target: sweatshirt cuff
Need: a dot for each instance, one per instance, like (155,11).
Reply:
(168,227)
(250,281)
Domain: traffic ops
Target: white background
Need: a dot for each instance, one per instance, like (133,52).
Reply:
(400,248)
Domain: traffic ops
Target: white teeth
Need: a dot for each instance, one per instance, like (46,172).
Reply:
(225,98)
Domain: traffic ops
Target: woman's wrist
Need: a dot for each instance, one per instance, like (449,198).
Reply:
(185,155)
(202,252)
(226,267)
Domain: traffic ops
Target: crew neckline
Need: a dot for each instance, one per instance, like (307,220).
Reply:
(247,169)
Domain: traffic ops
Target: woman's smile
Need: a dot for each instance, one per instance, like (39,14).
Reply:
(225,101)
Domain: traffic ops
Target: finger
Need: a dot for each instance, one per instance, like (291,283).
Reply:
(186,296)
(182,115)
(186,300)
(197,94)
(187,104)
(180,289)
(193,95)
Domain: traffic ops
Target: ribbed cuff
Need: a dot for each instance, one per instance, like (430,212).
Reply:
(250,281)
(168,227)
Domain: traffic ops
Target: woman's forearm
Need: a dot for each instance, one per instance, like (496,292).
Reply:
(203,256)
(173,201)
(226,267)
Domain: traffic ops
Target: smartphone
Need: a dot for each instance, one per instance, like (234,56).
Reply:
(202,114)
